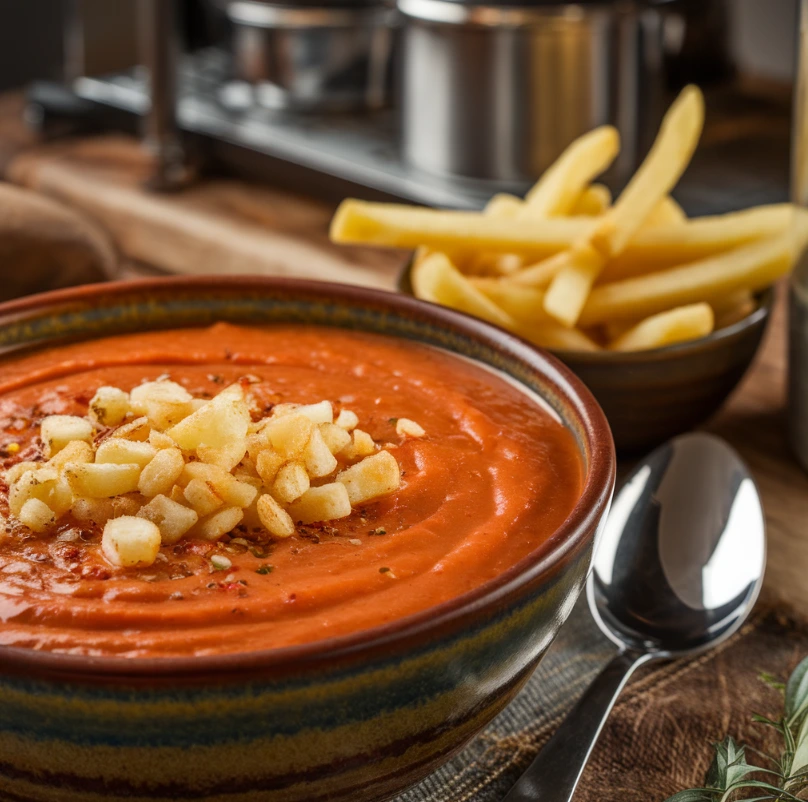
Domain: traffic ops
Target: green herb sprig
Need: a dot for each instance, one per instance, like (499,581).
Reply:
(731,777)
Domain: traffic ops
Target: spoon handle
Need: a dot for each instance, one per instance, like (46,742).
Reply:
(554,774)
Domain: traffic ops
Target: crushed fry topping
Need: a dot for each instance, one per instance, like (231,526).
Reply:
(157,465)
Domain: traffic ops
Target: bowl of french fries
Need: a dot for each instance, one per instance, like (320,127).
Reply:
(660,314)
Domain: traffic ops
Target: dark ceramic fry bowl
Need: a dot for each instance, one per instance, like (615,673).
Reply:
(651,396)
(354,718)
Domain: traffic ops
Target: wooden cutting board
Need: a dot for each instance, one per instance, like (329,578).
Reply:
(213,227)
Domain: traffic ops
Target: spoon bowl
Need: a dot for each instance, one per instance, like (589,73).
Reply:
(680,561)
(677,570)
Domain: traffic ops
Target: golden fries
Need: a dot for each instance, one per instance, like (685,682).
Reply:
(667,213)
(650,185)
(570,288)
(659,248)
(568,269)
(436,279)
(400,226)
(656,176)
(750,267)
(594,200)
(561,186)
(667,328)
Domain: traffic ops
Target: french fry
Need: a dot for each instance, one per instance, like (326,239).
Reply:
(654,249)
(558,190)
(667,328)
(504,205)
(542,273)
(523,304)
(555,337)
(436,279)
(666,213)
(593,201)
(657,175)
(399,226)
(751,267)
(501,264)
(568,291)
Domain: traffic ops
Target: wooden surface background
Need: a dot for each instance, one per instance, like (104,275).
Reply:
(229,226)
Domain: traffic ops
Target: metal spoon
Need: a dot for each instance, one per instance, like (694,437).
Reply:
(677,569)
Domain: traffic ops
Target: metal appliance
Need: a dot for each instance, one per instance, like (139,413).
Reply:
(303,93)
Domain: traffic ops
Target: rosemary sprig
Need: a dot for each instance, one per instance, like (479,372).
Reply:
(731,777)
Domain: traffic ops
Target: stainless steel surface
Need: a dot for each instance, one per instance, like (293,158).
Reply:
(677,570)
(498,93)
(798,288)
(158,37)
(308,58)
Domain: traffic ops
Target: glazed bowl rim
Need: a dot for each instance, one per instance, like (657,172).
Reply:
(579,526)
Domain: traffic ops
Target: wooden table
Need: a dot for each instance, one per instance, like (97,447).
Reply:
(225,226)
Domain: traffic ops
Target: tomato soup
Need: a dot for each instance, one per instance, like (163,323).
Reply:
(492,478)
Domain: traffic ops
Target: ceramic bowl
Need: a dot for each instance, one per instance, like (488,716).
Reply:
(651,396)
(359,717)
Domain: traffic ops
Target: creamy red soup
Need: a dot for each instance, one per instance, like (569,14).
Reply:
(494,476)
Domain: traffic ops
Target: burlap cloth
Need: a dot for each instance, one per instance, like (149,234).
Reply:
(657,740)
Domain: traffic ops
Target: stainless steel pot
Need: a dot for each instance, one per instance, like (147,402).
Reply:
(313,57)
(497,92)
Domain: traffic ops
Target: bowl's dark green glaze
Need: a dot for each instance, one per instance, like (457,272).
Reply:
(353,718)
(651,396)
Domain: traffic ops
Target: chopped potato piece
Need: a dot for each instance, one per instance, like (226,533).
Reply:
(409,428)
(16,471)
(321,412)
(109,405)
(223,483)
(220,425)
(291,482)
(362,445)
(372,477)
(121,452)
(318,457)
(289,434)
(173,519)
(268,464)
(138,429)
(159,476)
(200,495)
(159,440)
(324,503)
(102,481)
(59,430)
(274,518)
(130,542)
(43,483)
(36,515)
(93,510)
(164,403)
(75,451)
(347,420)
(218,524)
(128,504)
(335,437)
